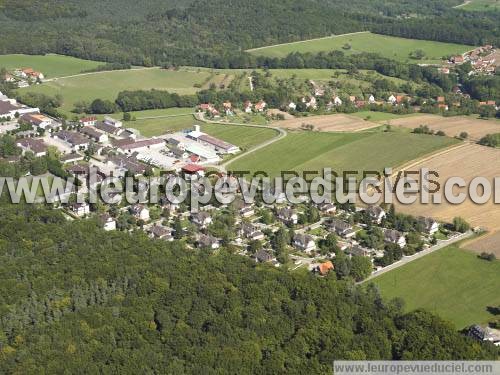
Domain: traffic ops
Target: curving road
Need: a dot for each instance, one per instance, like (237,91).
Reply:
(282,133)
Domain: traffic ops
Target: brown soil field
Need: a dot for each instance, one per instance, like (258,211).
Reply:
(452,126)
(278,112)
(466,161)
(328,123)
(489,243)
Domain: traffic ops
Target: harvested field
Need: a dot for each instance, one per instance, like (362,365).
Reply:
(328,123)
(489,243)
(467,161)
(452,126)
(286,115)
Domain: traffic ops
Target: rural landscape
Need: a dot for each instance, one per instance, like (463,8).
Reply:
(92,92)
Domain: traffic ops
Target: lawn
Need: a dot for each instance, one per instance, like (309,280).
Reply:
(387,46)
(107,85)
(239,135)
(362,151)
(50,65)
(481,5)
(451,282)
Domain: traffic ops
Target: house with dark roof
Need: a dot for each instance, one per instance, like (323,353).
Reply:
(34,145)
(250,232)
(429,225)
(94,134)
(140,212)
(287,215)
(264,256)
(76,140)
(394,236)
(376,213)
(341,228)
(207,242)
(304,242)
(201,219)
(162,233)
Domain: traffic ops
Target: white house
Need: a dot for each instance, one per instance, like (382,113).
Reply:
(376,213)
(371,99)
(80,209)
(292,106)
(113,122)
(393,236)
(304,242)
(140,212)
(392,99)
(107,222)
(288,216)
(337,101)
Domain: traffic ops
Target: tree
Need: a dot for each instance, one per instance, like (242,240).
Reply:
(460,225)
(489,140)
(361,267)
(100,106)
(178,231)
(127,116)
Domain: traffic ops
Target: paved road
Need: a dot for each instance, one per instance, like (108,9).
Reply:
(419,255)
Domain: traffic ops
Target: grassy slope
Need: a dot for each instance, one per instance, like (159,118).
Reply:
(391,47)
(346,151)
(482,5)
(107,85)
(452,282)
(50,65)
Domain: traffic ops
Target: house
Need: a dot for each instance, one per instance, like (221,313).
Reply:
(140,212)
(392,100)
(71,158)
(310,102)
(179,153)
(246,211)
(34,145)
(112,122)
(376,213)
(292,106)
(359,251)
(287,215)
(250,232)
(429,225)
(80,209)
(129,145)
(208,241)
(247,107)
(443,106)
(162,233)
(193,171)
(337,101)
(260,106)
(88,121)
(124,164)
(393,236)
(304,242)
(228,108)
(76,140)
(201,219)
(264,256)
(109,129)
(341,228)
(327,208)
(107,222)
(352,98)
(324,268)
(30,73)
(205,107)
(484,334)
(9,108)
(459,59)
(37,119)
(94,134)
(371,99)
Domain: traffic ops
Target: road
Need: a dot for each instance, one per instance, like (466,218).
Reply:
(408,259)
(282,133)
(93,73)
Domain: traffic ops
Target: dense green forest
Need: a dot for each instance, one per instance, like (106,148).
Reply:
(215,33)
(77,299)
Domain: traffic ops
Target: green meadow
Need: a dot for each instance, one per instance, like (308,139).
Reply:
(50,65)
(362,151)
(453,283)
(107,85)
(481,5)
(387,46)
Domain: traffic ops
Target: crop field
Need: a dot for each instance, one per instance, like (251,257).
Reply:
(107,85)
(452,126)
(451,282)
(50,65)
(489,243)
(328,123)
(380,116)
(480,5)
(387,46)
(362,151)
(241,136)
(466,161)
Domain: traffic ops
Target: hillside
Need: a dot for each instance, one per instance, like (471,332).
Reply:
(215,33)
(77,299)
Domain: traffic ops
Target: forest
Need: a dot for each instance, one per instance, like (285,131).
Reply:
(215,33)
(78,299)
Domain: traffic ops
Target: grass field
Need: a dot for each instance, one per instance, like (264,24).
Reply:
(50,65)
(360,151)
(107,85)
(481,5)
(451,282)
(242,136)
(391,47)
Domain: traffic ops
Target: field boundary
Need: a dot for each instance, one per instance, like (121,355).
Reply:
(308,40)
